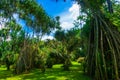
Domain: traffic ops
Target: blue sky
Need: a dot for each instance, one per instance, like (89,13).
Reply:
(54,8)
(68,12)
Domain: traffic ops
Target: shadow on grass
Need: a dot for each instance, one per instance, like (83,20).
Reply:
(4,73)
(56,73)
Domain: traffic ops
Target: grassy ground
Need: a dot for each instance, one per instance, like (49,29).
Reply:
(56,73)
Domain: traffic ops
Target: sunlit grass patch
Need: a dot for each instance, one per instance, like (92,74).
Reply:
(56,73)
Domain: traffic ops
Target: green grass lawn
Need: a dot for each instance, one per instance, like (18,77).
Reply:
(56,73)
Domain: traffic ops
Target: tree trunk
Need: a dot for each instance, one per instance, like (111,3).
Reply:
(110,6)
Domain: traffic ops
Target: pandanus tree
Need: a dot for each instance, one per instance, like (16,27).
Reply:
(70,40)
(41,23)
(103,57)
(29,11)
(12,42)
(35,17)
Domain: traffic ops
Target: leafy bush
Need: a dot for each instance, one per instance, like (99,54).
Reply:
(49,62)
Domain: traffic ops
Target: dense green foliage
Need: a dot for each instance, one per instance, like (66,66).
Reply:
(16,41)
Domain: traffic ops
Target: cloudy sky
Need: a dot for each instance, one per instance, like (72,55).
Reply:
(68,12)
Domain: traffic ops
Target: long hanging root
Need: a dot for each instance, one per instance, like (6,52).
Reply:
(103,59)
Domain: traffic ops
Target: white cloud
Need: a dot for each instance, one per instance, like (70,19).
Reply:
(1,26)
(74,10)
(47,37)
(66,25)
(8,38)
(68,17)
(1,23)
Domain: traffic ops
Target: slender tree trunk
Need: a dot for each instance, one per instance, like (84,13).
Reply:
(110,8)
